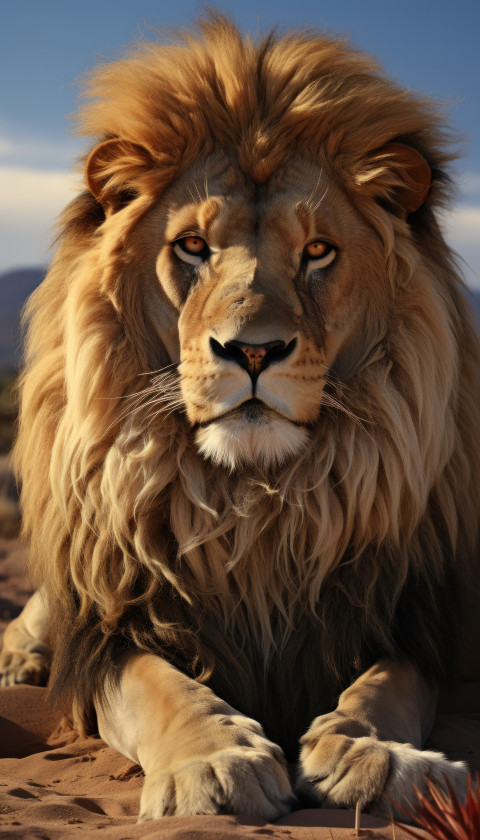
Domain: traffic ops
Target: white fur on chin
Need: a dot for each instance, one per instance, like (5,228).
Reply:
(234,441)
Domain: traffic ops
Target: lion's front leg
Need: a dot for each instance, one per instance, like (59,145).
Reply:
(371,744)
(200,756)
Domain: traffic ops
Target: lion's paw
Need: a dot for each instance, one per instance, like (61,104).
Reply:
(237,780)
(411,767)
(342,771)
(27,667)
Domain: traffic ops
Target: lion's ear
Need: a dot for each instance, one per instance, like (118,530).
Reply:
(398,175)
(112,170)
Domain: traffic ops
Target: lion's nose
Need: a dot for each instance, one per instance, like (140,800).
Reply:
(253,357)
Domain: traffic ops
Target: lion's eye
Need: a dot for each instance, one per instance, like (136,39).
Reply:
(320,253)
(191,249)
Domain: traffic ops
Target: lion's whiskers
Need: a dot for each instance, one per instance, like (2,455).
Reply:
(332,402)
(164,389)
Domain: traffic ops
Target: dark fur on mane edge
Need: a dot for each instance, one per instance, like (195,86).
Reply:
(142,545)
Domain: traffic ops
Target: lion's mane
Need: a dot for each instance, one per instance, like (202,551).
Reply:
(142,544)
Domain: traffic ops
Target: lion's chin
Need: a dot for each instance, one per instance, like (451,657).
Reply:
(237,440)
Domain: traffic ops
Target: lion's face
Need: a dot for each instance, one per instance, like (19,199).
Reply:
(266,290)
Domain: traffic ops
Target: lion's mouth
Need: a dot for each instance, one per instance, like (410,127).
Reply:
(252,410)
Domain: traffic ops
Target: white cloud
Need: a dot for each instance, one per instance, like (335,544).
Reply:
(19,149)
(469,187)
(35,192)
(462,231)
(30,201)
(7,147)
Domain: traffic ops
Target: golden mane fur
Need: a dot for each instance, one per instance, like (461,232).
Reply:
(132,531)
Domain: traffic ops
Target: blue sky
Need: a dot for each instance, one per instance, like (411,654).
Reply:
(431,47)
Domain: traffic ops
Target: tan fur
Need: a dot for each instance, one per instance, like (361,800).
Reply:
(299,537)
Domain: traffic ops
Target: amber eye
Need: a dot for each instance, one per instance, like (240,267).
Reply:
(191,249)
(193,244)
(320,252)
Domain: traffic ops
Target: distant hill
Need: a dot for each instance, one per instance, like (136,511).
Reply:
(15,287)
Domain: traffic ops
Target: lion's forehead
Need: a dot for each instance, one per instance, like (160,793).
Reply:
(231,210)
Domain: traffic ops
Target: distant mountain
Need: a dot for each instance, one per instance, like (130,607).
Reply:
(15,287)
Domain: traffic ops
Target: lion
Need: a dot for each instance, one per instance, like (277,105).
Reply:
(248,438)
